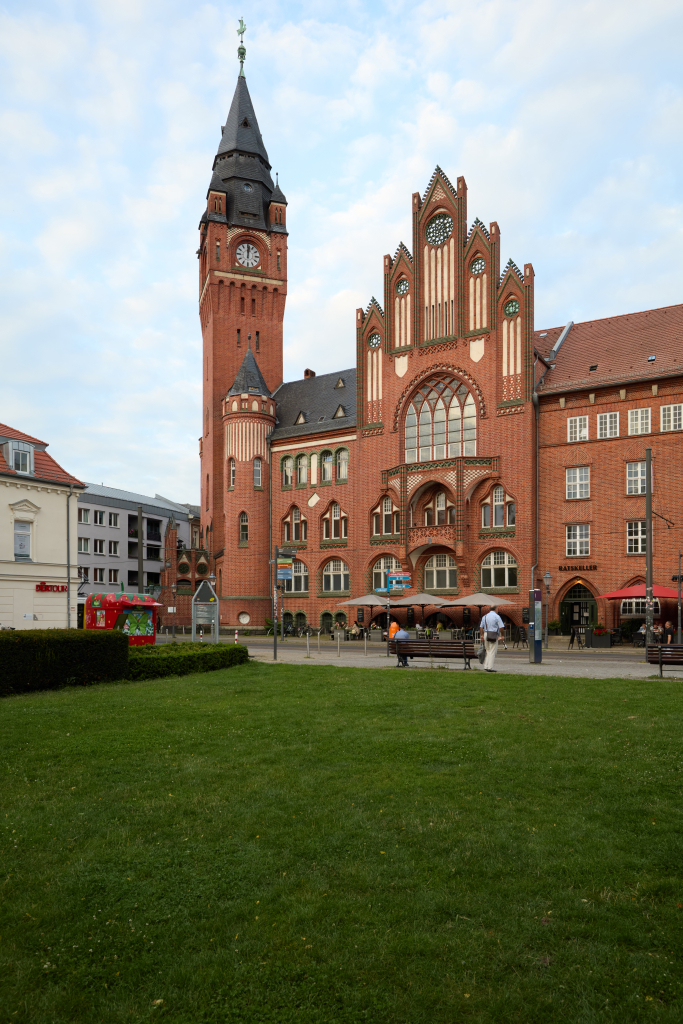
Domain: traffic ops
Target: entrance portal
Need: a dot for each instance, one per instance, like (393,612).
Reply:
(578,609)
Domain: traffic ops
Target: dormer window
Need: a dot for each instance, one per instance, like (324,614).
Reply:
(19,457)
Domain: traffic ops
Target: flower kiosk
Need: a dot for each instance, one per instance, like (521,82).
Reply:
(132,614)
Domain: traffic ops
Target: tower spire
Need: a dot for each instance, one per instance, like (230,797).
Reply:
(241,51)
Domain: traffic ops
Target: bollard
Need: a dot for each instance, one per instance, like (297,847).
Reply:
(201,635)
(318,641)
(308,645)
(366,643)
(338,646)
(235,636)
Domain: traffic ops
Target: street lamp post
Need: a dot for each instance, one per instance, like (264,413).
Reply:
(547,579)
(174,587)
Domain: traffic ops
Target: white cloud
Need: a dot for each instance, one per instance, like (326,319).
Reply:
(564,118)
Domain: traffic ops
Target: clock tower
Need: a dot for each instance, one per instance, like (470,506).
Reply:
(242,290)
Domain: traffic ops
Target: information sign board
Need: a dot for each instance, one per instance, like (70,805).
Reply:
(285,570)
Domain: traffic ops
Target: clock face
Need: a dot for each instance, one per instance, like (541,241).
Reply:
(374,341)
(248,255)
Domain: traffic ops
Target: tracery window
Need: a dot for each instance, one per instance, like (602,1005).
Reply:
(441,422)
(336,575)
(441,573)
(386,518)
(499,569)
(380,569)
(439,510)
(295,527)
(335,523)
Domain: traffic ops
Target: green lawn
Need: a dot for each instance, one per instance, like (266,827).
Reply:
(312,844)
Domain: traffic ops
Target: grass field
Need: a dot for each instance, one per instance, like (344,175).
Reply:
(311,844)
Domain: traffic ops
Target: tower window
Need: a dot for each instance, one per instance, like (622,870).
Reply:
(244,528)
(218,249)
(232,473)
(241,303)
(257,472)
(257,341)
(278,259)
(239,338)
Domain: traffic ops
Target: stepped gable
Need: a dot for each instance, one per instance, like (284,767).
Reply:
(318,399)
(619,346)
(249,379)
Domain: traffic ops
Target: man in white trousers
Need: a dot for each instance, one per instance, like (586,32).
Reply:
(491,627)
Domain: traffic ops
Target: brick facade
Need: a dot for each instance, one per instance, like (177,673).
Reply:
(452,348)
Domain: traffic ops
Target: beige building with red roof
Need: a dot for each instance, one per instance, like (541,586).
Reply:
(38,533)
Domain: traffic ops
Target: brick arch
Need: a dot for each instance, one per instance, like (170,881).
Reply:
(438,368)
(562,592)
(374,558)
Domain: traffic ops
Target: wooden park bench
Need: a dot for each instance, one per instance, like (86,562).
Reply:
(439,649)
(664,655)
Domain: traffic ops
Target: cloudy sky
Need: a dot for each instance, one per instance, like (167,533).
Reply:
(566,119)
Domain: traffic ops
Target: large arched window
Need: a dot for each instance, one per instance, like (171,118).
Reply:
(336,575)
(441,422)
(380,569)
(499,569)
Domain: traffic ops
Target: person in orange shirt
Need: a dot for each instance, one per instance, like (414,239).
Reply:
(393,629)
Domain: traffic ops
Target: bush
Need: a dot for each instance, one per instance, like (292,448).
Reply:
(181,659)
(46,659)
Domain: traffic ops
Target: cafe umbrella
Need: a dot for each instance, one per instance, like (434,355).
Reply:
(480,601)
(422,601)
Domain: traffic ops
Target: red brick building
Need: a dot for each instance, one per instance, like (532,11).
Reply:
(423,455)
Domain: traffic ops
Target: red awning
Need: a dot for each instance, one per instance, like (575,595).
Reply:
(639,591)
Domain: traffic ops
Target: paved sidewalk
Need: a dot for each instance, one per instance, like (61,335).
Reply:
(583,664)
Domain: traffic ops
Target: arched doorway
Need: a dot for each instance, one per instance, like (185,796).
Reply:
(326,622)
(300,620)
(578,609)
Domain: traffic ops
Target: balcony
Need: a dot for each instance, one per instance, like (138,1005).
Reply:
(419,535)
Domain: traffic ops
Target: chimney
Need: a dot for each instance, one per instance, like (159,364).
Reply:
(308,374)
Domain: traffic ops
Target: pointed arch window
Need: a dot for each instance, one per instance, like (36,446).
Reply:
(295,527)
(441,422)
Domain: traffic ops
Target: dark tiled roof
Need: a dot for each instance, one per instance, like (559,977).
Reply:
(318,399)
(278,195)
(249,378)
(618,346)
(241,130)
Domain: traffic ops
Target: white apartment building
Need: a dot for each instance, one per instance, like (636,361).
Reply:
(38,535)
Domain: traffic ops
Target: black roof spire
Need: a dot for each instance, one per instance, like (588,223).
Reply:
(249,379)
(241,131)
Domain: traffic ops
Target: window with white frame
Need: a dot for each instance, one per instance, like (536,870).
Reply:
(635,477)
(608,424)
(579,539)
(578,482)
(671,417)
(637,606)
(114,548)
(22,541)
(335,523)
(113,575)
(441,422)
(342,464)
(84,515)
(486,515)
(511,513)
(257,472)
(244,528)
(336,575)
(639,421)
(386,518)
(499,569)
(114,520)
(299,581)
(83,546)
(301,469)
(287,471)
(98,575)
(98,546)
(438,510)
(231,473)
(99,517)
(635,538)
(295,526)
(84,573)
(326,467)
(498,506)
(380,569)
(441,573)
(577,428)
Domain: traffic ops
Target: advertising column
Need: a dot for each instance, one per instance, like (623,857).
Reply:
(535,627)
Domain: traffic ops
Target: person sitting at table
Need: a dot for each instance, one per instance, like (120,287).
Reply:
(355,630)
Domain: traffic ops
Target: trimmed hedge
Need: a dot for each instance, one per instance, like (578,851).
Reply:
(181,659)
(47,659)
